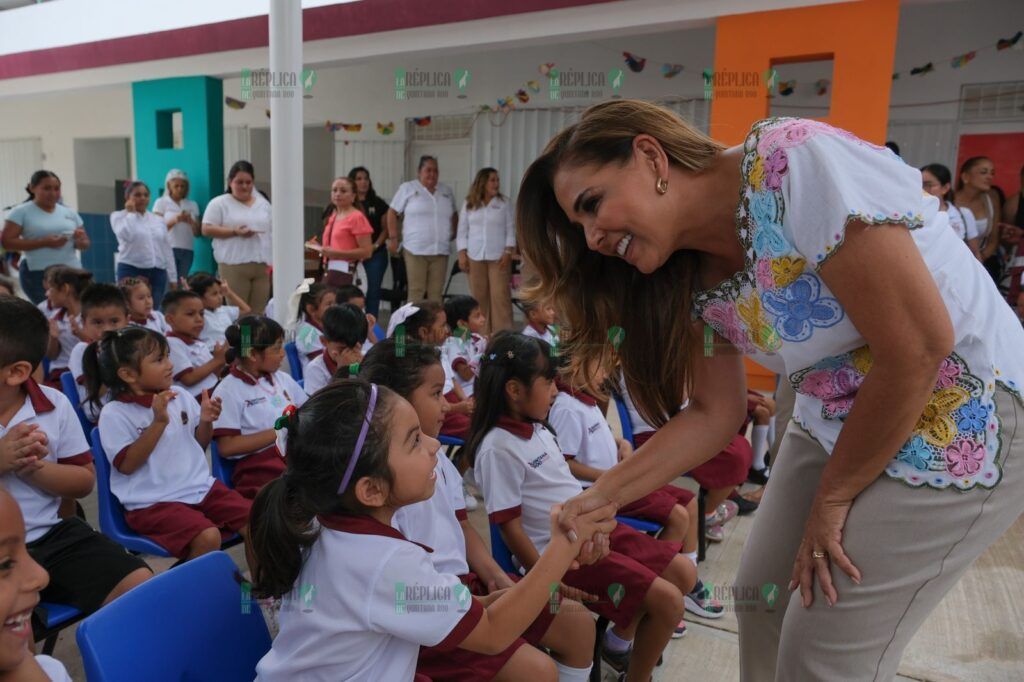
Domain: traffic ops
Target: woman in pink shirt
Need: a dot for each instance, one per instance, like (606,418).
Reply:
(347,235)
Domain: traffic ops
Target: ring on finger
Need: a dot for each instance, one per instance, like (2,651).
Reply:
(818,555)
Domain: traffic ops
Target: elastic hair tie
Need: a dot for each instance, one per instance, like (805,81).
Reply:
(367,418)
(281,425)
(353,369)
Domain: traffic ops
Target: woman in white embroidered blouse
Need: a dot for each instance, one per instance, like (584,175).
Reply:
(143,243)
(899,467)
(486,240)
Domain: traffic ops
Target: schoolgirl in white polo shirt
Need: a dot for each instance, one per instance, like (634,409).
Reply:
(313,303)
(253,396)
(155,437)
(345,329)
(359,598)
(44,457)
(139,296)
(462,349)
(103,310)
(67,285)
(523,473)
(196,367)
(442,523)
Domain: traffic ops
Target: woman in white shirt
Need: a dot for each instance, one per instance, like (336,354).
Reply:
(937,181)
(181,215)
(239,223)
(974,194)
(428,215)
(486,239)
(143,243)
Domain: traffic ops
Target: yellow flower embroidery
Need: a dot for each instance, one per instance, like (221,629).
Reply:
(760,333)
(861,359)
(757,173)
(935,424)
(785,270)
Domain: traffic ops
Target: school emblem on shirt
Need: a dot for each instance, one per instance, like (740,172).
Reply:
(535,463)
(254,401)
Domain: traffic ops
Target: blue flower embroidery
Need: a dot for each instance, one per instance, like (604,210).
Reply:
(800,307)
(768,239)
(916,453)
(972,416)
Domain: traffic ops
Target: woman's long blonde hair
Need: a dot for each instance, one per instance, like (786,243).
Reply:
(596,293)
(477,196)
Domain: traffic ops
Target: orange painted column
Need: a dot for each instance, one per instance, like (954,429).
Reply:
(860,38)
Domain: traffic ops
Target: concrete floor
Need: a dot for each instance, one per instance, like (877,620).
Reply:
(976,634)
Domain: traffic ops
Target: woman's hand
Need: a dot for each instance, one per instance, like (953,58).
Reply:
(392,244)
(463,261)
(54,241)
(81,239)
(243,231)
(822,544)
(583,504)
(505,260)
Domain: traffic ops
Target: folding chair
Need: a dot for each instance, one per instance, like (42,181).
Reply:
(291,351)
(70,389)
(56,618)
(451,275)
(195,622)
(399,290)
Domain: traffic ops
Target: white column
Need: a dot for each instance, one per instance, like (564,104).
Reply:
(286,179)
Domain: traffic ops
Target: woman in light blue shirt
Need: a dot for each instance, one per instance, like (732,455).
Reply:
(45,231)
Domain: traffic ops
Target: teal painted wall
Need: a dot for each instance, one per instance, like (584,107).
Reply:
(200,100)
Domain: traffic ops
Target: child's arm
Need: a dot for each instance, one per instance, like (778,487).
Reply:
(209,410)
(60,480)
(191,377)
(582,471)
(136,454)
(517,540)
(481,561)
(53,344)
(230,446)
(236,300)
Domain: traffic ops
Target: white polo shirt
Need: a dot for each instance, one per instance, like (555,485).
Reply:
(456,352)
(228,211)
(426,217)
(92,412)
(486,232)
(66,444)
(522,474)
(48,309)
(250,404)
(154,322)
(545,334)
(176,470)
(307,342)
(187,353)
(66,338)
(181,233)
(318,373)
(143,241)
(583,432)
(365,601)
(216,323)
(436,522)
(962,221)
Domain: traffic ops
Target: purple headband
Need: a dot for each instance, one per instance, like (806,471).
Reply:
(359,441)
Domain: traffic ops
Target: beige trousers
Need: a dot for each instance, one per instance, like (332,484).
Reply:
(425,275)
(911,546)
(489,285)
(250,281)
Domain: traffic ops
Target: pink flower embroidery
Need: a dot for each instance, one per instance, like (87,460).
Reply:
(817,384)
(837,408)
(964,457)
(949,372)
(722,316)
(846,380)
(764,275)
(774,168)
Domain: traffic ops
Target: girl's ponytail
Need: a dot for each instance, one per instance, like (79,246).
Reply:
(281,531)
(91,374)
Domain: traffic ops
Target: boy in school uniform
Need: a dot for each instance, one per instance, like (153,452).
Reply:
(196,367)
(540,322)
(345,331)
(217,315)
(43,457)
(462,350)
(103,309)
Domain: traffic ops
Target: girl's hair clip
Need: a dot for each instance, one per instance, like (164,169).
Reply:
(282,421)
(353,369)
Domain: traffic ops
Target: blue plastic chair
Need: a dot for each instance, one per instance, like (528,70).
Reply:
(500,551)
(627,425)
(378,332)
(70,389)
(649,527)
(46,367)
(294,364)
(195,622)
(58,617)
(221,468)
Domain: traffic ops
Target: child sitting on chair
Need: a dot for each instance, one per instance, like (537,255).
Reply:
(67,286)
(196,367)
(253,395)
(345,332)
(44,457)
(217,315)
(461,351)
(155,437)
(540,322)
(103,309)
(350,293)
(312,306)
(139,296)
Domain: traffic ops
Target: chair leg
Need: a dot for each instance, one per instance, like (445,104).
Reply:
(702,538)
(50,643)
(595,672)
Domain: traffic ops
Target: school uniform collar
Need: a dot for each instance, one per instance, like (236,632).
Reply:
(142,320)
(329,363)
(190,340)
(361,524)
(581,396)
(40,403)
(61,314)
(516,427)
(247,378)
(144,399)
(540,329)
(315,324)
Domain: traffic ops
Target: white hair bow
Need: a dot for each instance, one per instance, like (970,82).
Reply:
(400,316)
(292,314)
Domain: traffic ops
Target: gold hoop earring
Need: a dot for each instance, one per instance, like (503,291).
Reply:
(661,186)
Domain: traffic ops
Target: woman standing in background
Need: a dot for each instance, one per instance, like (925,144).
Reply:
(375,209)
(486,240)
(143,243)
(181,215)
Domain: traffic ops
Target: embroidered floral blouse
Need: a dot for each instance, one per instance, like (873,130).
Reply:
(803,182)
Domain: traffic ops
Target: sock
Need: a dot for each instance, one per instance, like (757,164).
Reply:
(567,674)
(759,443)
(614,643)
(692,556)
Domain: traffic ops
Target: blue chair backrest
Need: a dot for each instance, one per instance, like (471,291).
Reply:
(195,622)
(46,367)
(378,332)
(58,614)
(500,551)
(111,512)
(221,468)
(294,365)
(450,440)
(627,425)
(70,389)
(649,527)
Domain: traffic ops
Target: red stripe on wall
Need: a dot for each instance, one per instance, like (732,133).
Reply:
(332,21)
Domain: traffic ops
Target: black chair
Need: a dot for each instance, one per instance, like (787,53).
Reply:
(399,290)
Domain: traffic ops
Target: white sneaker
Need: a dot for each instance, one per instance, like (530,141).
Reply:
(471,503)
